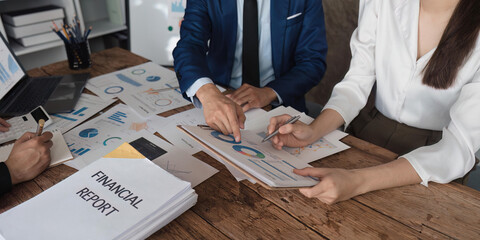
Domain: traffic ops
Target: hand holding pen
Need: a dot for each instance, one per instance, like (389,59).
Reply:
(292,120)
(295,134)
(41,123)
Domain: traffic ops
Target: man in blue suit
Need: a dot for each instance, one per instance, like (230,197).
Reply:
(270,51)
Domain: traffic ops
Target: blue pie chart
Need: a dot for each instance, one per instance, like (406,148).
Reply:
(153,78)
(88,133)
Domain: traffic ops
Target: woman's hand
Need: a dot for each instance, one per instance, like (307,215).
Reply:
(291,135)
(335,184)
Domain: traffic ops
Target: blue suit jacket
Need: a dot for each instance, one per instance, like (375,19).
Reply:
(299,46)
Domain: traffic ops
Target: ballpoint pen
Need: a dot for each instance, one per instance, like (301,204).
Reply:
(291,120)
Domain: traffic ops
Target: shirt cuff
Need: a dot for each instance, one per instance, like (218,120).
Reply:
(5,179)
(277,102)
(192,90)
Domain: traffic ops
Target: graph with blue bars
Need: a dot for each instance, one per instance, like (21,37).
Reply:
(74,113)
(4,75)
(79,151)
(12,67)
(118,117)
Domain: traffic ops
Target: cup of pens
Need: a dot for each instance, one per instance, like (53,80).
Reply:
(76,44)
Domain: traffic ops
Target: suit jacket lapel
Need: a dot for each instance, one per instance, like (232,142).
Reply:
(278,23)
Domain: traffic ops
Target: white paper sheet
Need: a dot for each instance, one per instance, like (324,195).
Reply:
(87,106)
(132,80)
(175,160)
(154,101)
(271,166)
(83,215)
(112,126)
(326,146)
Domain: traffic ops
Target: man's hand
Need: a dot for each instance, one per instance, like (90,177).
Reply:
(29,157)
(249,96)
(4,125)
(221,113)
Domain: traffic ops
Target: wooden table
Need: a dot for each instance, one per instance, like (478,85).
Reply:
(227,209)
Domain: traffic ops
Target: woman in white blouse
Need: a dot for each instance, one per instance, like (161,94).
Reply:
(424,56)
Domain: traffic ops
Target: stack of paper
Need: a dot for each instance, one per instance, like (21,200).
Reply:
(33,26)
(268,166)
(121,196)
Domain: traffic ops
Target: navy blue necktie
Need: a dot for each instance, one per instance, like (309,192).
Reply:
(250,65)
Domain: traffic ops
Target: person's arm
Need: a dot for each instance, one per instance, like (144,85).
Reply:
(351,94)
(190,61)
(30,155)
(340,184)
(190,54)
(309,57)
(454,155)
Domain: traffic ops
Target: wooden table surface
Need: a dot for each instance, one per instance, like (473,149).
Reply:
(227,209)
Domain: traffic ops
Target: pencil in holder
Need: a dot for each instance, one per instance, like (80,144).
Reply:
(78,55)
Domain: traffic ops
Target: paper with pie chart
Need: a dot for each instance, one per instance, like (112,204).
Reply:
(132,80)
(111,127)
(271,168)
(154,101)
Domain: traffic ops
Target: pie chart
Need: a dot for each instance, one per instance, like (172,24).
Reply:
(153,78)
(88,133)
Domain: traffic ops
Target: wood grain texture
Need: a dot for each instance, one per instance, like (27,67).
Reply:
(188,226)
(106,61)
(240,213)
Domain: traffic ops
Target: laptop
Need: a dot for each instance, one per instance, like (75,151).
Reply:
(20,94)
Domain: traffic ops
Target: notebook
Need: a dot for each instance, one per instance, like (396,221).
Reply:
(59,151)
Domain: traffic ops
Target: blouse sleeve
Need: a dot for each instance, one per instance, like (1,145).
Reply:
(351,94)
(454,155)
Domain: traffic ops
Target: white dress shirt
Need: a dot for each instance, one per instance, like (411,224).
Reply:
(265,53)
(384,50)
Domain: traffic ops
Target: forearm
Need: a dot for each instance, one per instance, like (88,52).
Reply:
(393,174)
(326,122)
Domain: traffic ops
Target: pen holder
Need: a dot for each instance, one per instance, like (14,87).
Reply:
(78,55)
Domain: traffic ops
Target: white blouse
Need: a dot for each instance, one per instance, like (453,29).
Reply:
(384,50)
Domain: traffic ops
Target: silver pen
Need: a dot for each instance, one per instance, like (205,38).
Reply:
(291,120)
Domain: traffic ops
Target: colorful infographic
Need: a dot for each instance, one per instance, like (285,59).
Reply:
(133,80)
(109,128)
(271,166)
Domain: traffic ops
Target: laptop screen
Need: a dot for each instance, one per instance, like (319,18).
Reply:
(10,70)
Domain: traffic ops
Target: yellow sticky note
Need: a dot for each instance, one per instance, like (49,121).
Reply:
(125,151)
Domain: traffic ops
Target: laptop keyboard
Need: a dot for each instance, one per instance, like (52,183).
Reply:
(37,93)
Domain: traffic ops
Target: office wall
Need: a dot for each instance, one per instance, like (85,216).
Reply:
(340,19)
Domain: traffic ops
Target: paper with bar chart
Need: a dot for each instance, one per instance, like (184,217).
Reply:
(270,167)
(87,106)
(154,101)
(132,80)
(110,127)
(10,71)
